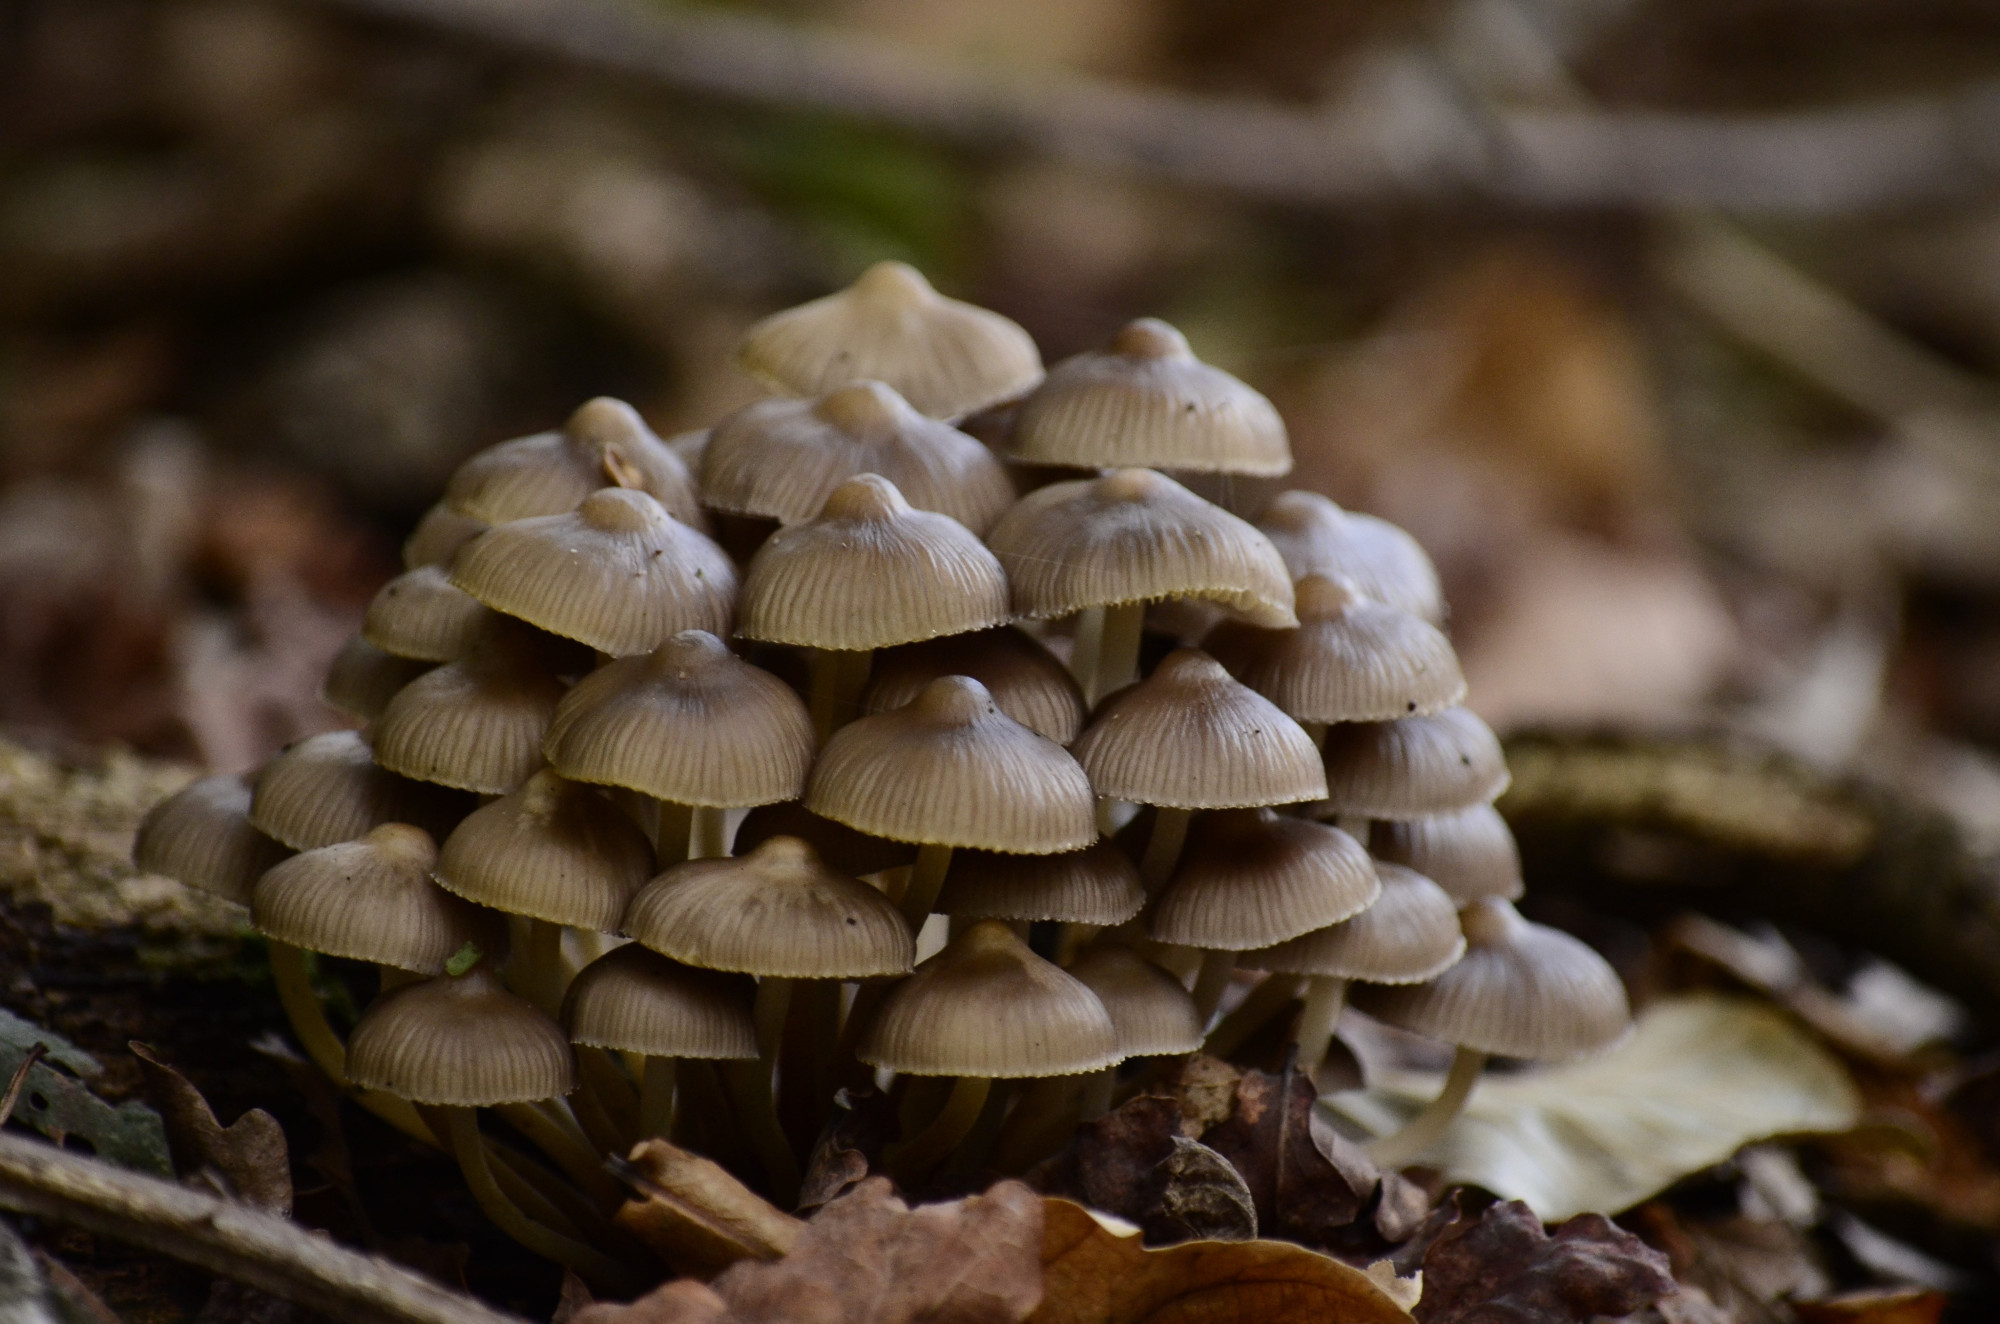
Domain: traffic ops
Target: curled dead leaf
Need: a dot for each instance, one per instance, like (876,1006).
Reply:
(247,1159)
(1096,1271)
(695,1215)
(1502,1268)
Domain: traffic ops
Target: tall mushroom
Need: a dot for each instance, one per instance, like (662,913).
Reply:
(202,836)
(1316,537)
(603,444)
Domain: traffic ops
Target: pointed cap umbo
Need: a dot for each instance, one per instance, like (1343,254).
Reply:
(986,1006)
(1153,1015)
(950,769)
(853,853)
(1248,878)
(553,850)
(1146,400)
(1523,990)
(634,1000)
(1470,853)
(777,911)
(1409,934)
(690,723)
(1134,535)
(475,723)
(370,900)
(422,614)
(1350,659)
(1095,885)
(362,678)
(1413,766)
(1317,537)
(1023,677)
(328,788)
(781,459)
(870,572)
(603,444)
(947,358)
(439,535)
(201,835)
(1190,736)
(463,1042)
(617,573)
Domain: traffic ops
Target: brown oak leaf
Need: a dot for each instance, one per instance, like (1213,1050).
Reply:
(1503,1268)
(246,1160)
(1304,1189)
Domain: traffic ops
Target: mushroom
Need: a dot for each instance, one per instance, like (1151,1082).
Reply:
(1468,852)
(1096,885)
(1105,547)
(948,358)
(1411,768)
(618,573)
(362,679)
(1523,990)
(1023,677)
(853,853)
(328,788)
(475,723)
(603,444)
(1147,401)
(781,459)
(1316,537)
(421,614)
(869,572)
(438,536)
(201,835)
(692,725)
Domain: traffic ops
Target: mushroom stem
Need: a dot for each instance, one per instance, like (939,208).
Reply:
(656,1097)
(1044,1114)
(805,1059)
(914,1161)
(1096,1098)
(671,838)
(1325,996)
(324,1047)
(838,677)
(543,973)
(1315,732)
(610,1087)
(1086,648)
(1354,825)
(1118,654)
(708,831)
(926,878)
(1163,847)
(1263,1002)
(774,998)
(750,1083)
(603,1134)
(589,1262)
(564,1142)
(1216,969)
(1424,1130)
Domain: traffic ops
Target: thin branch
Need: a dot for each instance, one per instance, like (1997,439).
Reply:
(227,1238)
(1426,144)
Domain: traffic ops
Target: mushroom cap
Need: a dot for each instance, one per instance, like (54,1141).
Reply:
(690,723)
(1134,535)
(950,769)
(603,444)
(1147,401)
(1350,660)
(1523,990)
(463,1043)
(328,788)
(422,614)
(781,459)
(1153,1014)
(947,358)
(1414,766)
(438,536)
(777,911)
(870,572)
(617,573)
(475,723)
(855,854)
(1095,885)
(1190,736)
(1248,878)
(986,1006)
(552,850)
(1316,537)
(635,1000)
(201,835)
(1409,934)
(1023,677)
(370,900)
(1470,853)
(362,678)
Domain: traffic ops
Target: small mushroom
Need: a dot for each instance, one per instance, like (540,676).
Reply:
(1412,767)
(362,679)
(475,723)
(421,614)
(1469,852)
(1095,885)
(201,835)
(328,788)
(438,536)
(1023,677)
(1316,537)
(603,444)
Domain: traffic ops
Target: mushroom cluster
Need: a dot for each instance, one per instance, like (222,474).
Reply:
(696,780)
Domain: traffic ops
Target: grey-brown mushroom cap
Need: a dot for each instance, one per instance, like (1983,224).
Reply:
(362,679)
(1249,878)
(603,444)
(1409,934)
(476,723)
(988,1007)
(1190,736)
(1317,537)
(1523,990)
(421,614)
(328,788)
(1470,853)
(439,534)
(1413,767)
(552,850)
(1095,885)
(464,1043)
(634,1000)
(1023,677)
(1153,1013)
(853,853)
(201,835)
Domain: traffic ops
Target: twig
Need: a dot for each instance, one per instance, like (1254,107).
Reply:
(1845,159)
(226,1238)
(20,1081)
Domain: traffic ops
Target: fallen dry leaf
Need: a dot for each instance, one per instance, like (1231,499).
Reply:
(1303,1190)
(1097,1273)
(1502,1268)
(247,1159)
(697,1217)
(1203,1197)
(1879,1305)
